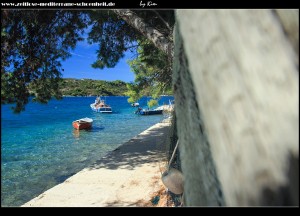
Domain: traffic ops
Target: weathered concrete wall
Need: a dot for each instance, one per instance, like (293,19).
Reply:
(237,98)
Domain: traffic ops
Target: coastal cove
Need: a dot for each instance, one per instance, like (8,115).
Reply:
(139,161)
(40,148)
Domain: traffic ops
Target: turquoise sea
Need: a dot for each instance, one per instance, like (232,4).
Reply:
(40,148)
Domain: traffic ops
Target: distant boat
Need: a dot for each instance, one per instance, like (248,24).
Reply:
(168,108)
(83,123)
(141,111)
(100,106)
(135,104)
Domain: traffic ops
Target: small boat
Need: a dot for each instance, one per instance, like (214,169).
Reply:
(141,111)
(83,123)
(106,109)
(135,104)
(100,106)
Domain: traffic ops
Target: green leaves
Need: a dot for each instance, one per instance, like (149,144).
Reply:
(152,103)
(32,45)
(99,64)
(33,42)
(153,74)
(152,68)
(113,36)
(134,92)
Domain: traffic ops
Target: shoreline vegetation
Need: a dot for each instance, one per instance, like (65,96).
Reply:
(140,162)
(111,95)
(90,88)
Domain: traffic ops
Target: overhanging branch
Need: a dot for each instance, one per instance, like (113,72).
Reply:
(159,40)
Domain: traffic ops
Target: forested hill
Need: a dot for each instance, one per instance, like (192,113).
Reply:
(84,87)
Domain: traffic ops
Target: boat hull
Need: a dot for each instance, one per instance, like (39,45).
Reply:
(150,112)
(101,109)
(82,124)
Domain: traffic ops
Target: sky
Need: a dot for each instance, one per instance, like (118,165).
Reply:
(79,65)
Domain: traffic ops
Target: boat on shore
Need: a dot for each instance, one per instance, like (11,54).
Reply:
(83,123)
(100,106)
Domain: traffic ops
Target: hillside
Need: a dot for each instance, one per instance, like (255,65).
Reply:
(84,87)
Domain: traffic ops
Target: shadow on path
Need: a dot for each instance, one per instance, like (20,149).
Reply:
(149,146)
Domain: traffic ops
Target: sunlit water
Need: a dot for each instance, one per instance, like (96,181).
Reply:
(40,148)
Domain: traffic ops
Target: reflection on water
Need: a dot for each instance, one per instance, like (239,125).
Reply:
(76,133)
(95,129)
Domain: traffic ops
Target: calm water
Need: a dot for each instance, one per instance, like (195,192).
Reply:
(40,148)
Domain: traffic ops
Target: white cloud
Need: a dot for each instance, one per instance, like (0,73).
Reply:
(75,54)
(85,55)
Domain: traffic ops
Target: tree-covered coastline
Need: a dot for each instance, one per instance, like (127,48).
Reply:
(89,87)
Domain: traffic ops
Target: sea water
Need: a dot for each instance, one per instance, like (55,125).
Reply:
(40,148)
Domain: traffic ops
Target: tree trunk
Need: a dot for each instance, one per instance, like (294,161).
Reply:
(201,186)
(237,98)
(289,20)
(158,39)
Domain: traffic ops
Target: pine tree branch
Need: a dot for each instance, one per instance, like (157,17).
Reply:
(159,40)
(162,19)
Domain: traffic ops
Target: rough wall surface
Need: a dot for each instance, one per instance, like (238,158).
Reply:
(197,164)
(289,20)
(239,80)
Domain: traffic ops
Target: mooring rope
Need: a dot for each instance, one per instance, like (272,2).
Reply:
(173,154)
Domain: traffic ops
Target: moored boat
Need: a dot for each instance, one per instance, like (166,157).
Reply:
(100,106)
(83,123)
(135,104)
(141,111)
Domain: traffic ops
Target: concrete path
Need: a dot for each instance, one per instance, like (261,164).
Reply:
(127,176)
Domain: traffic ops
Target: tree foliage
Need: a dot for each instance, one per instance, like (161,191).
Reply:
(159,39)
(133,92)
(33,42)
(152,66)
(152,103)
(115,36)
(153,72)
